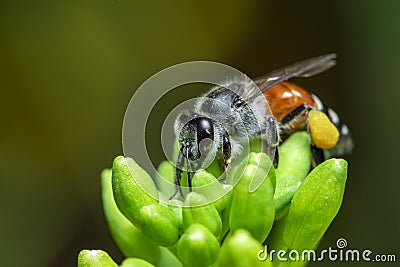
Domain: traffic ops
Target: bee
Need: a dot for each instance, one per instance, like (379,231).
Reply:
(269,108)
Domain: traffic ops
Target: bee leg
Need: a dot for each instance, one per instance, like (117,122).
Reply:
(317,155)
(178,176)
(271,151)
(270,140)
(226,155)
(189,177)
(289,117)
(188,170)
(276,158)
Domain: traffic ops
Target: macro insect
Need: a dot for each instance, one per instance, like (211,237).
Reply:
(228,119)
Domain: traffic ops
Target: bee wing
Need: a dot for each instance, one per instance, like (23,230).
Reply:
(305,68)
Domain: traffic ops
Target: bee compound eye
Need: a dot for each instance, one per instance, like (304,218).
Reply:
(205,129)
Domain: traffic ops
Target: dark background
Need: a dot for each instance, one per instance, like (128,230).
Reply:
(69,68)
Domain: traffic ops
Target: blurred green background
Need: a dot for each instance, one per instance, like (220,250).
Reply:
(69,68)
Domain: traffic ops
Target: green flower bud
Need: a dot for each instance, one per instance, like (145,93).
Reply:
(316,204)
(160,224)
(226,212)
(127,182)
(128,238)
(198,247)
(285,188)
(139,224)
(295,156)
(252,205)
(205,184)
(241,250)
(313,207)
(294,165)
(134,262)
(198,210)
(165,178)
(95,258)
(175,205)
(215,168)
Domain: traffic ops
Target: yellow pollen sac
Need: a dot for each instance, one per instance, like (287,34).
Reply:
(323,133)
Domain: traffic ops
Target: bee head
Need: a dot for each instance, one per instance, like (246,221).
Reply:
(192,134)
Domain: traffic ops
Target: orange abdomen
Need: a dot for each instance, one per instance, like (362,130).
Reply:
(285,97)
